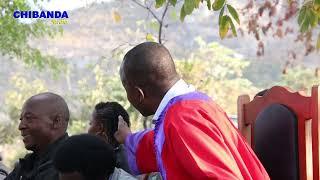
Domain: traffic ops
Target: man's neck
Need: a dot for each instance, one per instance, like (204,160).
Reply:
(164,91)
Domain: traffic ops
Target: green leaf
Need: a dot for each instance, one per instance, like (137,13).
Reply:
(318,43)
(188,6)
(224,26)
(306,22)
(159,3)
(316,9)
(218,4)
(313,19)
(209,4)
(233,13)
(197,3)
(317,2)
(302,15)
(149,37)
(173,15)
(182,14)
(220,15)
(233,28)
(173,2)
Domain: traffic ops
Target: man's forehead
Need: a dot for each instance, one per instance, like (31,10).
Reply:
(33,102)
(30,109)
(36,105)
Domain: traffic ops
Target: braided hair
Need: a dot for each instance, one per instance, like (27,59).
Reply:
(107,113)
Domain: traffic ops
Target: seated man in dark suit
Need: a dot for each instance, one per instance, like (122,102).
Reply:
(43,124)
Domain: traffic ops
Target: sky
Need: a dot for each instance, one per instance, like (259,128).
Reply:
(59,5)
(64,5)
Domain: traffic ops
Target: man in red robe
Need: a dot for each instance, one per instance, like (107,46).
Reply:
(193,137)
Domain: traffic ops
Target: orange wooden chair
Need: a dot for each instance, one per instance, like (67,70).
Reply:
(282,127)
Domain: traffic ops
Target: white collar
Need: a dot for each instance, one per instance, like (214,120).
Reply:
(179,88)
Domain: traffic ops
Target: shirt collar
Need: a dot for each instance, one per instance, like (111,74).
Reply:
(179,88)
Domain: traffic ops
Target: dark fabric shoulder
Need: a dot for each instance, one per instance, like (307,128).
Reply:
(33,167)
(14,174)
(122,160)
(3,171)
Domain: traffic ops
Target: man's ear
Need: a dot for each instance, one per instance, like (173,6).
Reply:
(141,94)
(57,122)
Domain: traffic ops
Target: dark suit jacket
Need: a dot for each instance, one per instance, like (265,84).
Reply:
(34,167)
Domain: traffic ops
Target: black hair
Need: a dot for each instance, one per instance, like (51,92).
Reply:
(149,65)
(107,113)
(86,154)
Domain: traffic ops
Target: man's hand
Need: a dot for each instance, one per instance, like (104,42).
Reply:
(123,131)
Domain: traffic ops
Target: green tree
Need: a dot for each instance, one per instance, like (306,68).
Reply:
(15,36)
(105,86)
(22,89)
(300,78)
(227,14)
(308,18)
(215,70)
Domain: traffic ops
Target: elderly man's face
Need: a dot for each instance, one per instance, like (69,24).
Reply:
(35,125)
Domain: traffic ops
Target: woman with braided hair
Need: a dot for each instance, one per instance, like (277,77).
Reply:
(104,123)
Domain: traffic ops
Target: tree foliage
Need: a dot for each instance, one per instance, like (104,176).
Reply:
(227,16)
(265,20)
(217,71)
(301,78)
(15,36)
(308,19)
(21,89)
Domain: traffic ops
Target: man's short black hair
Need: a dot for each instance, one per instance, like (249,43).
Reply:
(86,154)
(149,64)
(107,113)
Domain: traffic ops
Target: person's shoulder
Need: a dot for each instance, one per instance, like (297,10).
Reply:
(3,171)
(120,174)
(192,105)
(190,100)
(27,159)
(44,169)
(194,111)
(3,167)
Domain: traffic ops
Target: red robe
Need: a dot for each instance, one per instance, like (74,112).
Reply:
(193,139)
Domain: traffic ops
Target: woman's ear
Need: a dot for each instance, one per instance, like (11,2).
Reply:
(100,129)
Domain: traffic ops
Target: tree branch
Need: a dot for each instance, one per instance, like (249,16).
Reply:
(161,22)
(147,8)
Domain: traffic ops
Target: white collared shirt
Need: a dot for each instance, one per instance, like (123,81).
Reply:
(179,88)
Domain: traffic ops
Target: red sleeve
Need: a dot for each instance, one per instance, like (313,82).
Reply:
(146,158)
(140,152)
(197,147)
